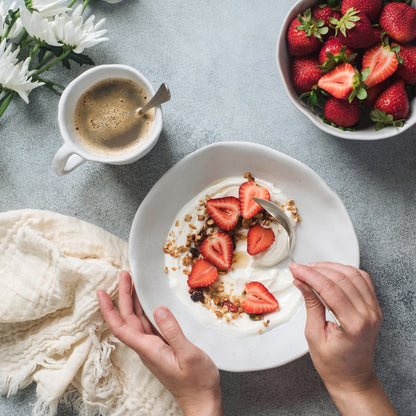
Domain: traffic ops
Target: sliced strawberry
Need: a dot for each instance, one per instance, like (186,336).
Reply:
(257,299)
(218,249)
(259,238)
(340,81)
(247,191)
(224,211)
(382,62)
(203,274)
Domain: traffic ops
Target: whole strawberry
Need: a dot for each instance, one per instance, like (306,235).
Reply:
(407,70)
(305,73)
(304,35)
(354,29)
(334,52)
(324,12)
(398,20)
(391,106)
(341,112)
(371,8)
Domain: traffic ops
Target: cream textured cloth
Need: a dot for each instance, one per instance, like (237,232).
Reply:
(51,329)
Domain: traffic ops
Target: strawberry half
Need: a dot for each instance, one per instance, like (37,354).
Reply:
(259,239)
(340,81)
(381,61)
(203,274)
(218,249)
(257,299)
(224,211)
(247,191)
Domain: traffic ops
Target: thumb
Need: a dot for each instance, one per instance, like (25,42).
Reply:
(171,331)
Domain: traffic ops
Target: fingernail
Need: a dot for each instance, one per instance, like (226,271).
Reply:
(311,264)
(293,265)
(160,313)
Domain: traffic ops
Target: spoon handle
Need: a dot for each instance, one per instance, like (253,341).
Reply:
(162,95)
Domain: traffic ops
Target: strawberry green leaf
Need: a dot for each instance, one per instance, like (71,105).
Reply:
(382,119)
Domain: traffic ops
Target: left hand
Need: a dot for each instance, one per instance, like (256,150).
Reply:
(186,371)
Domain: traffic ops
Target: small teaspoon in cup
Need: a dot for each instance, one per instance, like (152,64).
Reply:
(162,95)
(279,215)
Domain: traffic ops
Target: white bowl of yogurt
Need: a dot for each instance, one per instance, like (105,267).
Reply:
(325,233)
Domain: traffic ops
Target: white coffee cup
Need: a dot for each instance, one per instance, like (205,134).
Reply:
(72,154)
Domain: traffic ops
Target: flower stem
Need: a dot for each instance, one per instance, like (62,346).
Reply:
(54,62)
(33,53)
(84,5)
(6,101)
(16,15)
(72,3)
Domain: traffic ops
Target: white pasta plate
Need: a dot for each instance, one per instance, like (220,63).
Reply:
(325,233)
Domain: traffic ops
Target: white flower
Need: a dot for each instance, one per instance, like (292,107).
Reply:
(113,1)
(73,31)
(17,27)
(15,74)
(49,8)
(65,28)
(38,26)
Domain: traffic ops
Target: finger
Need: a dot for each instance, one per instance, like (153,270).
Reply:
(125,299)
(172,332)
(315,311)
(331,293)
(359,278)
(144,345)
(138,311)
(346,283)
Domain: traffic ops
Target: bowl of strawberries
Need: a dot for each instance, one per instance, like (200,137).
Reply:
(350,65)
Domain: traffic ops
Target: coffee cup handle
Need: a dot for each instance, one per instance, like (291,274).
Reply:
(66,160)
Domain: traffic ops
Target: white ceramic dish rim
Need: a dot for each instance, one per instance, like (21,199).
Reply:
(245,354)
(282,58)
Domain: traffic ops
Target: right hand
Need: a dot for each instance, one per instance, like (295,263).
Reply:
(344,361)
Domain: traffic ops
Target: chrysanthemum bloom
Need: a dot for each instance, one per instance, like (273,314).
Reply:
(65,29)
(72,31)
(38,26)
(15,74)
(48,8)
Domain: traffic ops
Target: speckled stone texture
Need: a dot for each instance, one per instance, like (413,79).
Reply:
(218,59)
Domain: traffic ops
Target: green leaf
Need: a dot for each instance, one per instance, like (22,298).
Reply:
(362,93)
(333,20)
(365,73)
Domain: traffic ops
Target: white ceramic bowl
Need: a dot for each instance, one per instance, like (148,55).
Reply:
(366,130)
(325,233)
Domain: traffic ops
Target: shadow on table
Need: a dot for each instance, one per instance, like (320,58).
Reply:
(288,387)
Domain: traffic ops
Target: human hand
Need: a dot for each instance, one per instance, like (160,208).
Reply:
(186,371)
(343,360)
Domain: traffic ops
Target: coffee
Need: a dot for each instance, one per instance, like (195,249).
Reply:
(105,120)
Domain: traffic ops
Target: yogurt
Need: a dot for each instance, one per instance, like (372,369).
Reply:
(268,267)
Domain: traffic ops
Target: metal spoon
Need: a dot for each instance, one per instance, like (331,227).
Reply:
(162,95)
(276,212)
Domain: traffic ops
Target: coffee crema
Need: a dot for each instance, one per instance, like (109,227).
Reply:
(105,120)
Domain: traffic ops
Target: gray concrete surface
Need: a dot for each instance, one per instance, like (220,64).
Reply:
(218,59)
